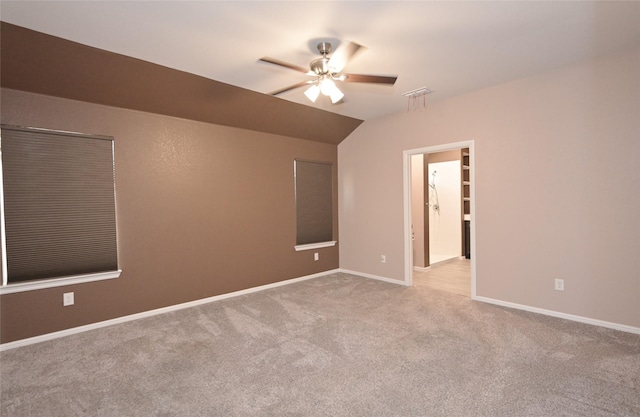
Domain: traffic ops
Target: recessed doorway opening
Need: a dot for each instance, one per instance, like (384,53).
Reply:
(439,203)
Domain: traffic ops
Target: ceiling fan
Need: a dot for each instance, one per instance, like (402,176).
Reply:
(326,70)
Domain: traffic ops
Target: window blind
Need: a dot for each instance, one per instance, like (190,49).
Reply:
(314,202)
(59,204)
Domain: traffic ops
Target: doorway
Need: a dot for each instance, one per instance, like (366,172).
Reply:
(436,207)
(453,235)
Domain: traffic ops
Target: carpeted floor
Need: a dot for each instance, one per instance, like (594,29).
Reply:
(339,345)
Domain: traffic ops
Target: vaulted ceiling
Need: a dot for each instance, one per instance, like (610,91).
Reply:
(44,64)
(448,47)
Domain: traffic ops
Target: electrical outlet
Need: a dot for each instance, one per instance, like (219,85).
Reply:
(316,256)
(383,259)
(67,299)
(559,285)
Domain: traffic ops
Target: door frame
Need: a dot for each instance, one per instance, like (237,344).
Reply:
(406,161)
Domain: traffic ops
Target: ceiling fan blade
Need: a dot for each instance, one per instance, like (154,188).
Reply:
(291,87)
(286,65)
(342,55)
(375,79)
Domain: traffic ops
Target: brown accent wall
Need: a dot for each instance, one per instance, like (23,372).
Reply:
(202,210)
(44,64)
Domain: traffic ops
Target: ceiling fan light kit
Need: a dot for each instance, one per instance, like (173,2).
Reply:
(336,95)
(312,93)
(326,87)
(326,71)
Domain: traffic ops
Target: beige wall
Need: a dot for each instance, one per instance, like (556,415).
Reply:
(557,187)
(202,210)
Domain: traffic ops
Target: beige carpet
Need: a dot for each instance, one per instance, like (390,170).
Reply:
(339,345)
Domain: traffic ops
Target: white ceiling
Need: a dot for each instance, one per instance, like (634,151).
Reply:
(449,47)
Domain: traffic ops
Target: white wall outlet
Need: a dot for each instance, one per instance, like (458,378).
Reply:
(383,259)
(559,285)
(316,256)
(67,299)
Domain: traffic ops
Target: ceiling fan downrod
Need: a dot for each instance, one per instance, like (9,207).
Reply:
(324,48)
(320,66)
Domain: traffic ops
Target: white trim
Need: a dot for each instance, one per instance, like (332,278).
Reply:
(422,268)
(406,171)
(57,282)
(376,277)
(3,236)
(318,245)
(144,314)
(446,261)
(580,319)
(406,192)
(551,313)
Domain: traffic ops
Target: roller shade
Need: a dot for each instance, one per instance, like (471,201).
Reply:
(314,202)
(59,204)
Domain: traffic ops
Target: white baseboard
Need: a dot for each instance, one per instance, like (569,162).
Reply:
(421,268)
(580,319)
(379,278)
(80,329)
(144,314)
(444,261)
(586,320)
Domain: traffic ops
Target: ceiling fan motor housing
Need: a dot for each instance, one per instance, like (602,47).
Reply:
(320,66)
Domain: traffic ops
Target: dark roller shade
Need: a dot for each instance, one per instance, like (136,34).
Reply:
(314,202)
(59,204)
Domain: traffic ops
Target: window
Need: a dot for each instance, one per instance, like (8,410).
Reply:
(314,204)
(58,209)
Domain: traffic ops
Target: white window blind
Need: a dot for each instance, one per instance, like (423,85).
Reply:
(59,204)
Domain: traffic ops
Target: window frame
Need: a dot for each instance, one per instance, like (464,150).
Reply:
(318,244)
(7,287)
